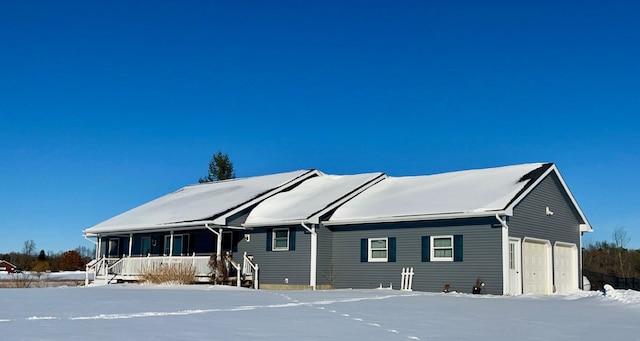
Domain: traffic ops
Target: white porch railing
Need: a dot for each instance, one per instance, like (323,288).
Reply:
(249,268)
(100,267)
(134,266)
(130,268)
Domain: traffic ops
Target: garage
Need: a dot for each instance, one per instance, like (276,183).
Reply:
(565,267)
(536,266)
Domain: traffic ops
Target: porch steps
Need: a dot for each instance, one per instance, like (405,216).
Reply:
(104,280)
(98,281)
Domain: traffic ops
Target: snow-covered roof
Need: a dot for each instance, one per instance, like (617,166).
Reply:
(310,199)
(306,196)
(456,193)
(197,203)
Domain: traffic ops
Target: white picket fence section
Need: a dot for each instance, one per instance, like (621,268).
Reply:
(407,279)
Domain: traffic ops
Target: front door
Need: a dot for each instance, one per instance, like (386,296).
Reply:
(145,246)
(114,248)
(515,279)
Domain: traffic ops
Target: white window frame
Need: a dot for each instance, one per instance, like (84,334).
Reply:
(371,249)
(274,246)
(434,248)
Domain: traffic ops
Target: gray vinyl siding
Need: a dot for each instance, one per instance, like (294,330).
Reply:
(325,273)
(275,266)
(529,218)
(238,219)
(482,257)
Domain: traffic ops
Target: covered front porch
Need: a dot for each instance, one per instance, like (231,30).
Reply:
(124,257)
(108,270)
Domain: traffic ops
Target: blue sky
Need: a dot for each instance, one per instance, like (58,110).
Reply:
(107,105)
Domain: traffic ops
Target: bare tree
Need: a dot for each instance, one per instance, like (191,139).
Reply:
(29,247)
(620,238)
(620,241)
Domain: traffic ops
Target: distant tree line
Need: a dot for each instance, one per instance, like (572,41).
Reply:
(28,260)
(612,257)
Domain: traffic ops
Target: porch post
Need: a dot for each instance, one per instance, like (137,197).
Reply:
(99,249)
(130,243)
(171,244)
(219,245)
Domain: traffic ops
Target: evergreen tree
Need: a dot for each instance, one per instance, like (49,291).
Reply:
(220,168)
(42,264)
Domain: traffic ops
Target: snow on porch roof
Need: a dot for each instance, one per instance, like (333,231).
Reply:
(463,192)
(310,199)
(195,203)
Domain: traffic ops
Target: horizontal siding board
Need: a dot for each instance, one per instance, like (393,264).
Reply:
(530,219)
(324,268)
(482,258)
(275,266)
(239,218)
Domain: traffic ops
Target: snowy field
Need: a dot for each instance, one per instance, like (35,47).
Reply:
(128,312)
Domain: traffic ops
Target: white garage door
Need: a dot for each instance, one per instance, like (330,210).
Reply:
(536,266)
(565,267)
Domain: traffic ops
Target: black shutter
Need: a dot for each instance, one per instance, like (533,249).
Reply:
(426,250)
(269,239)
(292,239)
(457,248)
(364,250)
(392,249)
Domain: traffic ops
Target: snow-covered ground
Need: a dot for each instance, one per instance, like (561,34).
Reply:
(128,312)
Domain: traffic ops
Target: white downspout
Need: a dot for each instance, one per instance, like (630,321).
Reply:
(219,245)
(219,240)
(314,254)
(505,255)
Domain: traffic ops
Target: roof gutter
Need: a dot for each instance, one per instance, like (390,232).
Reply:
(154,228)
(276,223)
(416,218)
